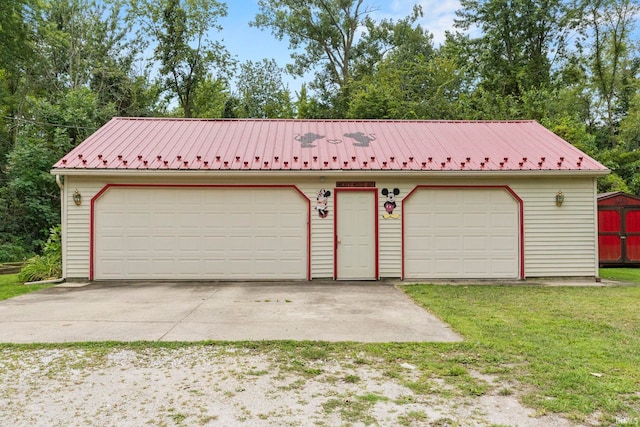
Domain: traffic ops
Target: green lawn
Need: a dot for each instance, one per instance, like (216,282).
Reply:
(623,274)
(11,287)
(573,350)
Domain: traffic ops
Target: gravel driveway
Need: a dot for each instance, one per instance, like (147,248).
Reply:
(227,385)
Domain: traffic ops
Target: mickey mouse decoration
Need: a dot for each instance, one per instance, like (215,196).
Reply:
(390,203)
(321,204)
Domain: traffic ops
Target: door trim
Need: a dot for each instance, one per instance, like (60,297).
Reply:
(104,189)
(337,191)
(506,188)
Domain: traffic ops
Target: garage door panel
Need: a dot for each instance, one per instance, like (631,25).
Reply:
(503,220)
(475,243)
(447,243)
(475,267)
(203,233)
(447,220)
(447,266)
(505,244)
(475,233)
(474,220)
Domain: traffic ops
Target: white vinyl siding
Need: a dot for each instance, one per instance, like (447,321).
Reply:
(559,240)
(76,231)
(390,231)
(321,230)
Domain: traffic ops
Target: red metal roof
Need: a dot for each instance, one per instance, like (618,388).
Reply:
(316,145)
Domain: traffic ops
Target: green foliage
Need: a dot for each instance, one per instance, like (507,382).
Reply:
(611,183)
(30,199)
(209,98)
(49,264)
(630,125)
(419,88)
(12,249)
(261,91)
(179,30)
(625,165)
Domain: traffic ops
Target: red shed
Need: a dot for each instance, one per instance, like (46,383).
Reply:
(619,229)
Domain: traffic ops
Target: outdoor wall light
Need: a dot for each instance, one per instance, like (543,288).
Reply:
(77,198)
(559,198)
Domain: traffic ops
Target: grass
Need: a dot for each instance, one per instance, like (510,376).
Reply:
(573,350)
(622,274)
(11,286)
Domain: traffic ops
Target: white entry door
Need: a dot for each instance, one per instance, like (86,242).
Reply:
(356,235)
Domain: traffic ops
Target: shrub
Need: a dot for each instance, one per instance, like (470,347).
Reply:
(11,252)
(49,264)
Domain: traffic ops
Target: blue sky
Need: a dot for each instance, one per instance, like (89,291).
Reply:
(248,43)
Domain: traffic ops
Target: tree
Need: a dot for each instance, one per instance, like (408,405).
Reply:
(180,31)
(408,78)
(210,97)
(325,29)
(85,43)
(519,43)
(15,54)
(609,24)
(261,91)
(30,199)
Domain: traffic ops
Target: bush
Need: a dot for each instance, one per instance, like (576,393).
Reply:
(49,264)
(11,252)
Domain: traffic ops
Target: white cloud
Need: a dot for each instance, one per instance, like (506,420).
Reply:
(438,14)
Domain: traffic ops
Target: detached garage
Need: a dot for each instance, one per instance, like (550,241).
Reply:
(183,199)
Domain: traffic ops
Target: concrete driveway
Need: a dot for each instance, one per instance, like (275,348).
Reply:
(152,311)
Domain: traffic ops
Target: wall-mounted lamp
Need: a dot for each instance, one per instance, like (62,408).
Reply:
(77,198)
(559,198)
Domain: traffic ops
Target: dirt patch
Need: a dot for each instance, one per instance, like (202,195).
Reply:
(230,386)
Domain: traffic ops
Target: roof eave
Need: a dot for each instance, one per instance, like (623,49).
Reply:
(327,173)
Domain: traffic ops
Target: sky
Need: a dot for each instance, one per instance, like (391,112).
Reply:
(249,43)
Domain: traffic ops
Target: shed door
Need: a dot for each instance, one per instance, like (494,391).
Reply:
(200,233)
(619,235)
(458,233)
(609,235)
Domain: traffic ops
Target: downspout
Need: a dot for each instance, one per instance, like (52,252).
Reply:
(63,223)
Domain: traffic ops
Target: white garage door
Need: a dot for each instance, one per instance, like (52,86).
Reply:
(200,233)
(461,233)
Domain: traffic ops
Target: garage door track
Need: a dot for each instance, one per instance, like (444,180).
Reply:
(153,311)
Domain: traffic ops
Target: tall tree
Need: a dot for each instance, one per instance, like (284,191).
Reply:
(180,30)
(519,42)
(30,199)
(261,91)
(85,43)
(410,80)
(16,52)
(326,30)
(609,24)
